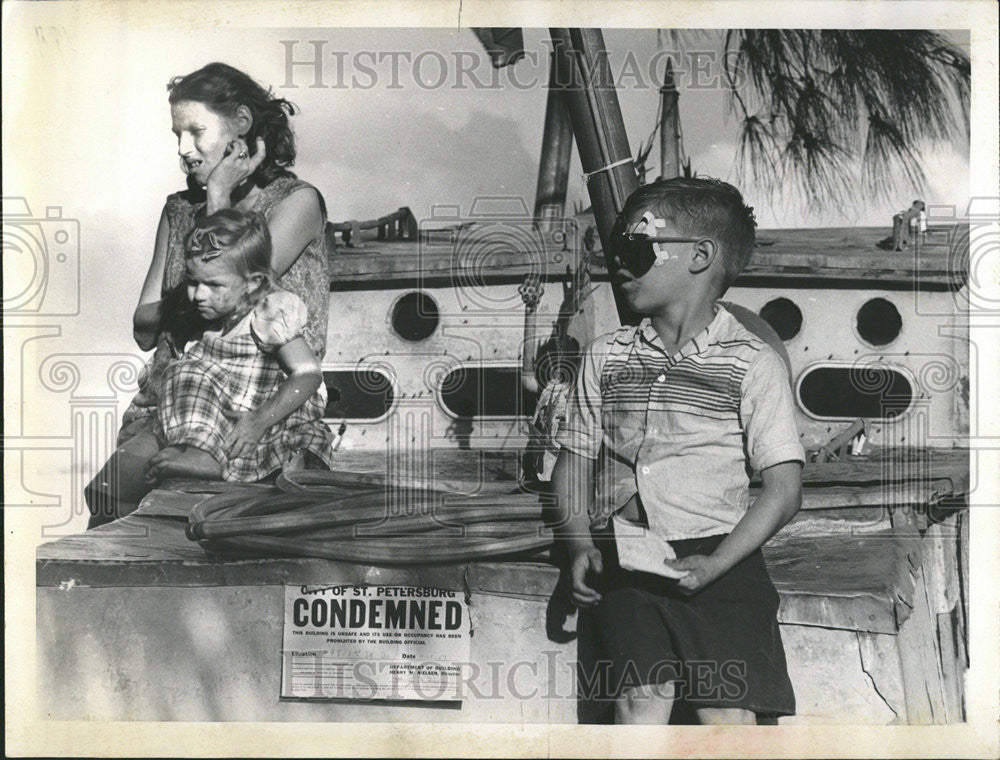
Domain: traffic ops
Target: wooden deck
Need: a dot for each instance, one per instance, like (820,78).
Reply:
(834,576)
(872,568)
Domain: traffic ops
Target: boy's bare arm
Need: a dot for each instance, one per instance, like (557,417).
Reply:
(304,378)
(572,483)
(778,503)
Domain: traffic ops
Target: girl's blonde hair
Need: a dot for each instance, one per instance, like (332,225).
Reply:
(241,239)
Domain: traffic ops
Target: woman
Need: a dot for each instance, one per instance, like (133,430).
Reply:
(235,144)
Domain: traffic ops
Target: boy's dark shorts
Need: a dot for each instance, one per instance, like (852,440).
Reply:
(720,647)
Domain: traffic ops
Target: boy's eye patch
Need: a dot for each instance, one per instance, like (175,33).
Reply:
(637,252)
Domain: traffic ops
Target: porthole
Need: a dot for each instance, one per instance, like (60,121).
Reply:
(784,316)
(842,392)
(353,394)
(469,392)
(878,322)
(415,316)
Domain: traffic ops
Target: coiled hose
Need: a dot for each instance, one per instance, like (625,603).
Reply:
(359,518)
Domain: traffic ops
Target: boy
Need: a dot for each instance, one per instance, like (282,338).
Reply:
(683,407)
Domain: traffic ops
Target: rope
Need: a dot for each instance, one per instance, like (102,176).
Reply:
(588,175)
(357,517)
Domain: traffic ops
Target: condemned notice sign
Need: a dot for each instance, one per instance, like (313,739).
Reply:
(374,642)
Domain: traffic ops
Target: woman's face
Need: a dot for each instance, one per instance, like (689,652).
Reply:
(203,137)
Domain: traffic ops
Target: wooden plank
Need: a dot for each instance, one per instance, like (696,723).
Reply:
(919,464)
(153,551)
(882,495)
(441,272)
(929,652)
(132,539)
(521,580)
(939,559)
(855,521)
(920,658)
(834,254)
(853,612)
(844,581)
(950,645)
(455,464)
(405,261)
(940,567)
(880,662)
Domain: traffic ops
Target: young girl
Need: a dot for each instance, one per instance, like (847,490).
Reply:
(247,395)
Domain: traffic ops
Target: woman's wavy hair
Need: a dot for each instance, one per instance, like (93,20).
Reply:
(223,89)
(243,241)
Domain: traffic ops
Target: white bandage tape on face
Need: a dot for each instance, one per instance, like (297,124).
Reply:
(652,226)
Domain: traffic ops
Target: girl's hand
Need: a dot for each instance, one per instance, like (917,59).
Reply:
(235,167)
(246,434)
(700,571)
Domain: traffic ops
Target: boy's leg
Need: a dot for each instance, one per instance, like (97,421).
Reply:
(120,485)
(644,670)
(649,704)
(717,716)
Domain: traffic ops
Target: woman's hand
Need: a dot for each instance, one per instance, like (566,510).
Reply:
(246,434)
(233,169)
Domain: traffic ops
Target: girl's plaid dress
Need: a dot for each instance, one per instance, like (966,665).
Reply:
(236,371)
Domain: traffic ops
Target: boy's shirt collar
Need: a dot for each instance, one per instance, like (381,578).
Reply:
(646,334)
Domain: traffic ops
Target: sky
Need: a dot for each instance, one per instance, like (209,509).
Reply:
(404,117)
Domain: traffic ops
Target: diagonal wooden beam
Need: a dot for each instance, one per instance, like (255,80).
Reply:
(600,134)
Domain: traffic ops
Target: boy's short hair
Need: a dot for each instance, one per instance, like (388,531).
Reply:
(702,206)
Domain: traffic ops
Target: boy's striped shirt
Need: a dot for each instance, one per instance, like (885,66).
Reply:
(684,431)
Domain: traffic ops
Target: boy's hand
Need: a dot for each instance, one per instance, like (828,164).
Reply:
(700,571)
(585,563)
(246,434)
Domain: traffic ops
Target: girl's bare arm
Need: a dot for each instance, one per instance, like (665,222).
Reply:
(303,379)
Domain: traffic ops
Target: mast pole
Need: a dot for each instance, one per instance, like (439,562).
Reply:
(557,143)
(670,132)
(600,135)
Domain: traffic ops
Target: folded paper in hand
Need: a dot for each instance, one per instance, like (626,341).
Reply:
(640,549)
